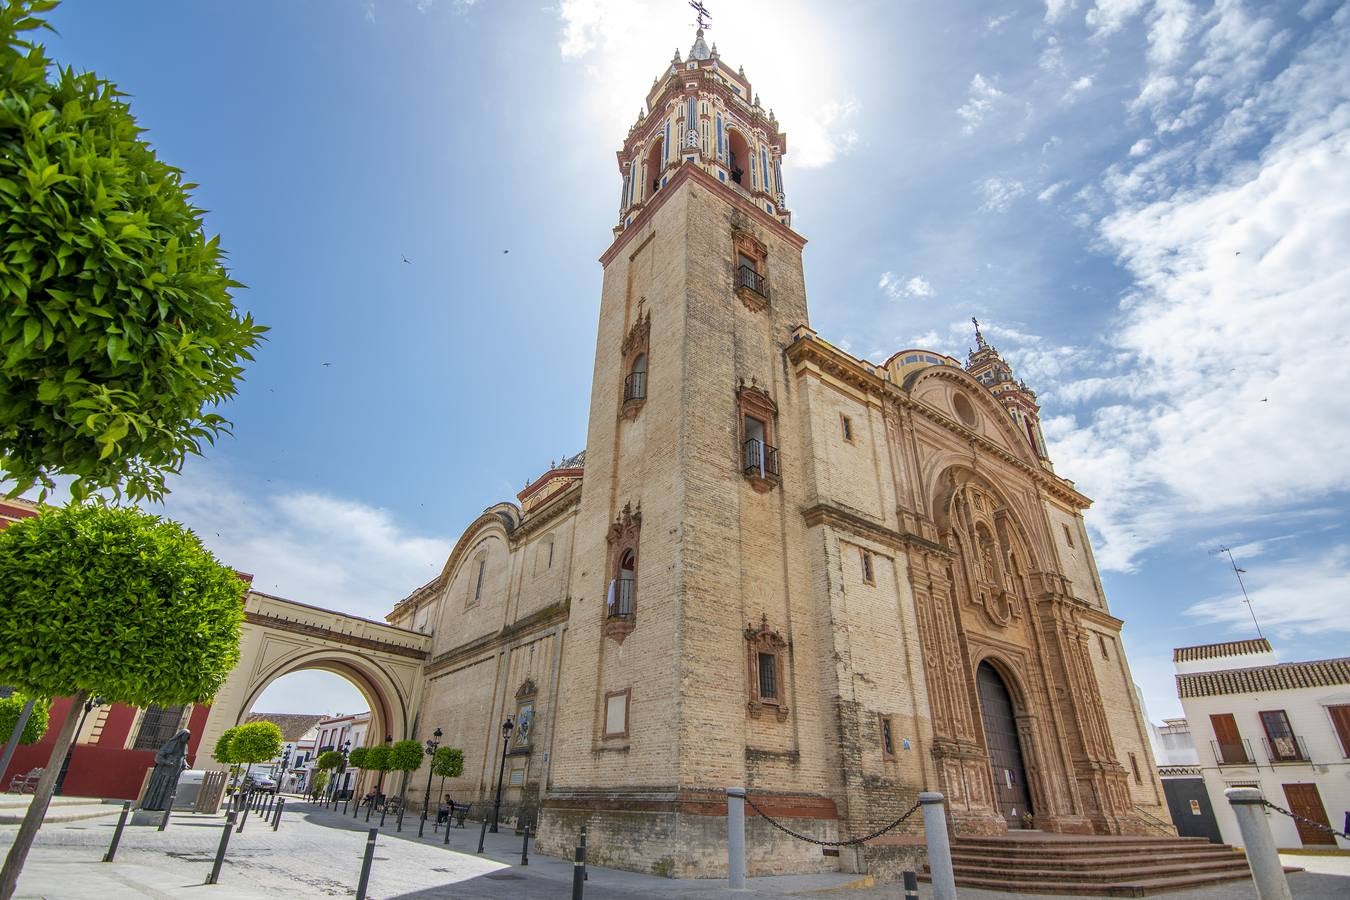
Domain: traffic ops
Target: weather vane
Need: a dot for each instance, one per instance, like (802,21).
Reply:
(701,12)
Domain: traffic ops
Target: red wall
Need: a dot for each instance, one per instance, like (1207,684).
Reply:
(103,769)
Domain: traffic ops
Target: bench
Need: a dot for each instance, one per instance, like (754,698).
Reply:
(25,784)
(461,813)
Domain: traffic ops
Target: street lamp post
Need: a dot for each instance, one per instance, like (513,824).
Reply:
(501,771)
(432,743)
(285,765)
(341,768)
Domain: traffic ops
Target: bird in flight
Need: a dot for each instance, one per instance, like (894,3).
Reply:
(506,251)
(327,364)
(406,260)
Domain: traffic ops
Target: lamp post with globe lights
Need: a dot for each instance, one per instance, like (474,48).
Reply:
(432,743)
(507,726)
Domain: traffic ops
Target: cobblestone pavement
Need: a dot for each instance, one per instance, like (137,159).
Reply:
(317,853)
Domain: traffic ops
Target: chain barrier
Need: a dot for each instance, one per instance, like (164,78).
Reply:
(1297,818)
(849,843)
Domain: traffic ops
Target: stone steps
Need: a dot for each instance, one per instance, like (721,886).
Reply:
(1101,866)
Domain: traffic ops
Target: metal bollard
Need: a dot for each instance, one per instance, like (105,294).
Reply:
(585,876)
(1259,845)
(447,825)
(345,801)
(365,864)
(736,838)
(482,835)
(939,846)
(168,808)
(400,819)
(911,885)
(422,824)
(243,818)
(220,851)
(384,811)
(276,817)
(578,873)
(117,834)
(525,848)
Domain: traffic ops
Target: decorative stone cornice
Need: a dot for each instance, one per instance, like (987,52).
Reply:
(808,351)
(845,520)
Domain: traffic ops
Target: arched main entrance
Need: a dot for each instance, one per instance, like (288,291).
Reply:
(1011,794)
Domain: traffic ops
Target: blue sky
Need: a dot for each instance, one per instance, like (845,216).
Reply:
(1147,202)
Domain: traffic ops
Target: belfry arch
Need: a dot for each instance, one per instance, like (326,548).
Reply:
(280,637)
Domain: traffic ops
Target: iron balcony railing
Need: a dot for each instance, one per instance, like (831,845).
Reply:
(759,459)
(635,386)
(1285,749)
(747,277)
(1229,753)
(620,602)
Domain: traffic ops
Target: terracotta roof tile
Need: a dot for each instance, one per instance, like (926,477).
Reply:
(1281,677)
(1212,651)
(293,725)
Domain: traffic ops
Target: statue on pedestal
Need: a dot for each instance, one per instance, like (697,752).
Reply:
(170,761)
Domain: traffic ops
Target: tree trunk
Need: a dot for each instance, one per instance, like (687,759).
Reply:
(14,741)
(42,797)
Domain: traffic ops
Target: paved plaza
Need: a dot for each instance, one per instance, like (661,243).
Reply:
(317,853)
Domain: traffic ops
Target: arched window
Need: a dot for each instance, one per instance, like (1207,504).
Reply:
(654,157)
(635,385)
(738,159)
(624,584)
(621,596)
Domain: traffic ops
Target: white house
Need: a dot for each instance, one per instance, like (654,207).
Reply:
(335,733)
(1281,727)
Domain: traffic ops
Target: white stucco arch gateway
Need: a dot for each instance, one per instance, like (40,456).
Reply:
(280,636)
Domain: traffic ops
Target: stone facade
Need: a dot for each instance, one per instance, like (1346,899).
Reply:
(779,566)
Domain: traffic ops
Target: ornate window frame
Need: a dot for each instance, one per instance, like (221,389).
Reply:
(764,473)
(761,641)
(753,292)
(886,735)
(623,536)
(636,344)
(605,733)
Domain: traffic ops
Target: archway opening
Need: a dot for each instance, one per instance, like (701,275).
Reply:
(739,156)
(1012,795)
(654,166)
(317,709)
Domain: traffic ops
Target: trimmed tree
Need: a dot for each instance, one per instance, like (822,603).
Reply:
(377,760)
(120,336)
(356,759)
(255,742)
(405,757)
(11,709)
(115,603)
(328,760)
(447,762)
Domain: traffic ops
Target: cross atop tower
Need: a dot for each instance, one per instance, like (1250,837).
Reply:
(701,13)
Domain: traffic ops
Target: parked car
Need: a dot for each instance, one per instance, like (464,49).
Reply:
(260,781)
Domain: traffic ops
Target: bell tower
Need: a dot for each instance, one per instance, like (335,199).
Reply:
(677,678)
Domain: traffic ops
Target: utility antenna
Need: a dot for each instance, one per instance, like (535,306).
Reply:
(1248,600)
(701,12)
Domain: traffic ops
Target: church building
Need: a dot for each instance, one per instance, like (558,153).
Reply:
(833,582)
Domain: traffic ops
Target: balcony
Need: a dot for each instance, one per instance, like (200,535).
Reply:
(1288,749)
(634,394)
(619,618)
(759,462)
(1230,753)
(752,288)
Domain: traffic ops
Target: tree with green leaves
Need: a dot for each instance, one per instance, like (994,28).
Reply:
(376,759)
(221,754)
(114,603)
(316,786)
(329,760)
(357,758)
(255,742)
(23,720)
(405,757)
(11,708)
(119,334)
(447,762)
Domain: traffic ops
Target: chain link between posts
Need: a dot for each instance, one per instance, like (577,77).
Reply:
(1297,818)
(849,843)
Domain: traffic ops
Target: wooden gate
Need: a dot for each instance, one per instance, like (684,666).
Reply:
(1005,750)
(1305,801)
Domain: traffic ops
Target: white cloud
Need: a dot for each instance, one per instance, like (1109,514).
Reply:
(1108,16)
(1052,57)
(914,287)
(996,22)
(623,44)
(306,546)
(1294,597)
(999,194)
(1141,147)
(1236,315)
(1082,84)
(1170,24)
(1055,10)
(1049,193)
(982,100)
